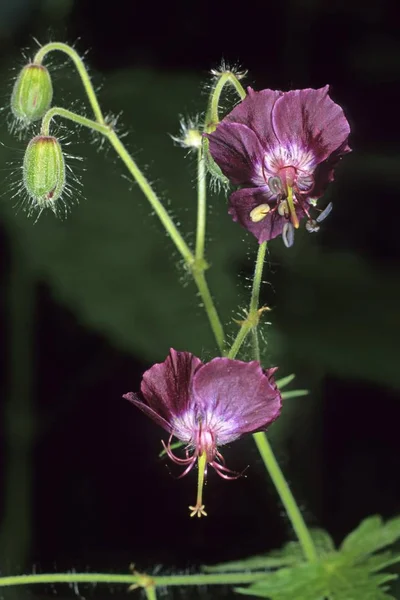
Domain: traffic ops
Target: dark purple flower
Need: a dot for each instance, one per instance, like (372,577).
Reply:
(280,148)
(206,406)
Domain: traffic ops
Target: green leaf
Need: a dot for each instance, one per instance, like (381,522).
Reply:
(371,535)
(380,561)
(173,446)
(290,554)
(284,381)
(254,563)
(330,578)
(294,394)
(302,582)
(322,541)
(350,574)
(355,583)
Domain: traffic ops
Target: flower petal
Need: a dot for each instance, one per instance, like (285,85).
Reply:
(166,387)
(309,119)
(238,153)
(324,173)
(134,398)
(243,201)
(255,111)
(235,397)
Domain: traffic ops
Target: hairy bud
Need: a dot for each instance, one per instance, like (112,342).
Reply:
(189,134)
(32,93)
(44,170)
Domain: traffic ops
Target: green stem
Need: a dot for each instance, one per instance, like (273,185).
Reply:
(57,111)
(228,77)
(198,274)
(257,280)
(159,581)
(151,196)
(200,263)
(255,344)
(260,438)
(80,67)
(210,309)
(251,322)
(286,496)
(201,205)
(241,336)
(151,593)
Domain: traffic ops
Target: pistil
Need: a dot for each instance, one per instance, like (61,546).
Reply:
(292,209)
(198,509)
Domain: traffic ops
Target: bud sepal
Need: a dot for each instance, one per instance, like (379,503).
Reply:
(32,94)
(44,171)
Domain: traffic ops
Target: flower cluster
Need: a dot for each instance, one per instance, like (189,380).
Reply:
(206,406)
(280,148)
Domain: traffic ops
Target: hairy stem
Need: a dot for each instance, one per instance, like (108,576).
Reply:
(201,205)
(286,496)
(172,580)
(226,78)
(58,111)
(257,279)
(251,321)
(210,309)
(150,592)
(80,67)
(151,196)
(261,440)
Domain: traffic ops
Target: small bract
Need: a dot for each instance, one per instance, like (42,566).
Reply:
(32,94)
(206,406)
(280,148)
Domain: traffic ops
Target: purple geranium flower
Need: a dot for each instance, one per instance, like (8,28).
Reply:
(206,406)
(280,148)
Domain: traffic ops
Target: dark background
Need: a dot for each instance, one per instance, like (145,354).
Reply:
(81,485)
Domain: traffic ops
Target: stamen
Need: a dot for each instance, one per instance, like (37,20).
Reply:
(324,213)
(283,208)
(292,209)
(275,185)
(259,212)
(187,462)
(198,509)
(312,226)
(224,472)
(288,235)
(173,457)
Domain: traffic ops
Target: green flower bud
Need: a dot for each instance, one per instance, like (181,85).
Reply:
(44,171)
(32,93)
